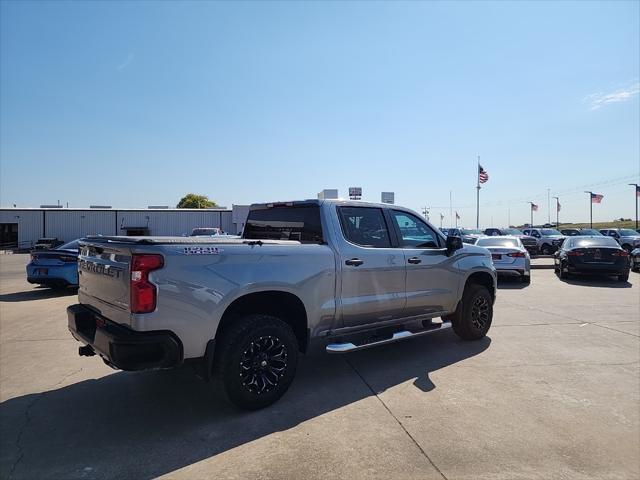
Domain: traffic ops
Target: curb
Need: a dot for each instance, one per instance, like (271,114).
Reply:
(542,267)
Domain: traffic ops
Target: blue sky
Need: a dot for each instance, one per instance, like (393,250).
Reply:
(136,104)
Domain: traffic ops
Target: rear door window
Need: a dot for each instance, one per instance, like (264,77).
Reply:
(364,226)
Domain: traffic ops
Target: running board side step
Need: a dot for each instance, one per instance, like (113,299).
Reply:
(403,335)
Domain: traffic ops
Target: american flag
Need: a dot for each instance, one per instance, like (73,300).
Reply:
(637,190)
(596,198)
(457,216)
(559,206)
(483,176)
(534,207)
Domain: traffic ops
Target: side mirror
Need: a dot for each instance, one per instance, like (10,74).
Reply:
(453,244)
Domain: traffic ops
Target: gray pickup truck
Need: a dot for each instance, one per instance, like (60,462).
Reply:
(333,274)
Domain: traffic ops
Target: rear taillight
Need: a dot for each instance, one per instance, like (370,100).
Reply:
(516,254)
(67,258)
(143,292)
(575,253)
(620,253)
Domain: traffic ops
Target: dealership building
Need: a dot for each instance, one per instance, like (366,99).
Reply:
(22,227)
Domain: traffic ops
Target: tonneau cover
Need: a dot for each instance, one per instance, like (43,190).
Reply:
(183,240)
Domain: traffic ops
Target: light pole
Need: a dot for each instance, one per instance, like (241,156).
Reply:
(637,192)
(557,212)
(548,206)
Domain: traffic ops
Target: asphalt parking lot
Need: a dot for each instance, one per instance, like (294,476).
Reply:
(552,393)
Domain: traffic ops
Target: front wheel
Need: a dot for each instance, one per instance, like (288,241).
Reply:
(472,319)
(257,360)
(546,249)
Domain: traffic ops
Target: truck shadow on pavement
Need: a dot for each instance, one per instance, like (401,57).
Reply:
(142,425)
(37,294)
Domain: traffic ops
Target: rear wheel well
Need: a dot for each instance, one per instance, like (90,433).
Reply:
(283,305)
(484,279)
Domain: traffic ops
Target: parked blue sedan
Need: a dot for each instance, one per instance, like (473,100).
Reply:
(55,268)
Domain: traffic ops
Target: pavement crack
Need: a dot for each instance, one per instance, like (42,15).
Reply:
(574,322)
(27,415)
(375,394)
(27,421)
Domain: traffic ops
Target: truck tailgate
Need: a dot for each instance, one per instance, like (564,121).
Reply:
(103,277)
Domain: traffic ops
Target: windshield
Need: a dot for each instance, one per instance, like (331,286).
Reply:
(550,231)
(512,231)
(73,245)
(627,232)
(467,231)
(497,242)
(590,231)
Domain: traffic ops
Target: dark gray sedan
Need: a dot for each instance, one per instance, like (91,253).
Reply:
(592,255)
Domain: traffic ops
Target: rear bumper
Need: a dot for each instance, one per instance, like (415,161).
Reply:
(121,347)
(598,269)
(56,275)
(50,281)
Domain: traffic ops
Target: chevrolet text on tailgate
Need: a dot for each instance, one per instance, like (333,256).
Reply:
(336,274)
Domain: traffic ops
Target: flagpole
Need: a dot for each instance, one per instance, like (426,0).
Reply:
(531,204)
(636,197)
(557,212)
(478,194)
(590,209)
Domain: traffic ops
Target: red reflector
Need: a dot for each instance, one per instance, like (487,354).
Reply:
(143,292)
(516,254)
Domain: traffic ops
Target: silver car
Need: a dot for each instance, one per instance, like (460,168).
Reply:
(509,256)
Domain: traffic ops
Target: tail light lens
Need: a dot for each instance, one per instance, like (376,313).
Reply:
(575,253)
(516,254)
(620,253)
(143,292)
(68,258)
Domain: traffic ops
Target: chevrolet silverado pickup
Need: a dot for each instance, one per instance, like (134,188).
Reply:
(339,275)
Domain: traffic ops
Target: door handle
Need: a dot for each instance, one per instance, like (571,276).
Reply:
(414,260)
(356,262)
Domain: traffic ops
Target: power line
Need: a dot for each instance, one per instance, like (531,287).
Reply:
(542,195)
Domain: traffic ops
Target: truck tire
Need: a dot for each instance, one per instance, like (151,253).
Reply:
(256,360)
(546,249)
(472,319)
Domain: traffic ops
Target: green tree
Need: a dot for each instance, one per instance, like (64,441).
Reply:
(191,200)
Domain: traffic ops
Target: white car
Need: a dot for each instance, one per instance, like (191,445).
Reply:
(509,256)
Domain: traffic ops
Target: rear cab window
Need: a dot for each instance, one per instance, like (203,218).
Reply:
(285,222)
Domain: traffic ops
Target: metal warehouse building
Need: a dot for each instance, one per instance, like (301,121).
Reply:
(23,227)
